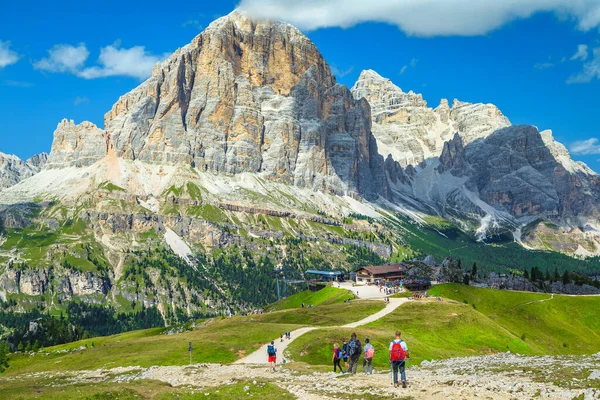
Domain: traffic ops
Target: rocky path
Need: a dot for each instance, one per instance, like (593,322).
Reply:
(501,376)
(393,304)
(260,355)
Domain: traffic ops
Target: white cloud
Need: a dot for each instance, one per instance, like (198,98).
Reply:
(340,73)
(582,53)
(591,69)
(7,56)
(421,17)
(63,58)
(411,64)
(585,147)
(134,62)
(80,100)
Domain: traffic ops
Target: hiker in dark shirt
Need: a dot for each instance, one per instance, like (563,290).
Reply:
(354,352)
(345,353)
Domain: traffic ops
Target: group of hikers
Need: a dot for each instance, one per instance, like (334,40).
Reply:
(351,352)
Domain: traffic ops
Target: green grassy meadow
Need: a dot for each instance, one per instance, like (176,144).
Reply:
(469,321)
(216,340)
(327,295)
(54,389)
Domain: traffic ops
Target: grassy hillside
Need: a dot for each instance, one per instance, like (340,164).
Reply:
(472,321)
(550,324)
(469,321)
(328,295)
(50,388)
(442,239)
(217,340)
(431,330)
(325,314)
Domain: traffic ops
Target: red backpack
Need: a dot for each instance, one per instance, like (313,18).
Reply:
(397,353)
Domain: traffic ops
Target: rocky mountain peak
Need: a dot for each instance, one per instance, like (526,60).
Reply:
(77,145)
(384,97)
(412,132)
(243,96)
(38,160)
(13,170)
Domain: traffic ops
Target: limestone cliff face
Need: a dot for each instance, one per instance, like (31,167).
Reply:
(77,145)
(249,96)
(38,160)
(410,131)
(243,96)
(13,170)
(524,173)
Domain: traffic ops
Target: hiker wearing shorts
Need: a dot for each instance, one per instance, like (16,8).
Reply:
(272,354)
(345,353)
(337,356)
(398,356)
(354,351)
(369,352)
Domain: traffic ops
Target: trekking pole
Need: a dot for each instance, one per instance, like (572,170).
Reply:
(391,374)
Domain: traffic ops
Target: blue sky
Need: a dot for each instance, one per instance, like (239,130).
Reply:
(528,62)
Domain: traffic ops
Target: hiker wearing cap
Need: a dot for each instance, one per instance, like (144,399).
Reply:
(398,356)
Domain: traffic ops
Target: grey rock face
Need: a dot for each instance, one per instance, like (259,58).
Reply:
(77,145)
(410,131)
(13,170)
(515,171)
(39,160)
(243,96)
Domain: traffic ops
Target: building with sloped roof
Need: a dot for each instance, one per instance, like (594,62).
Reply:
(377,273)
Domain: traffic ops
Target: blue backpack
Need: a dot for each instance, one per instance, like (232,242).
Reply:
(271,350)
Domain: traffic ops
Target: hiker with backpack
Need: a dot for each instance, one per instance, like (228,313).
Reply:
(354,350)
(398,356)
(345,353)
(369,352)
(272,353)
(337,356)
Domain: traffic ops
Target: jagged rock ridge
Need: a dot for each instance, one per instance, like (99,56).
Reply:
(243,96)
(13,169)
(412,132)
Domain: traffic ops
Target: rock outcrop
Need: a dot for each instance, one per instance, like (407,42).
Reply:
(247,96)
(412,132)
(525,174)
(77,145)
(13,170)
(38,160)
